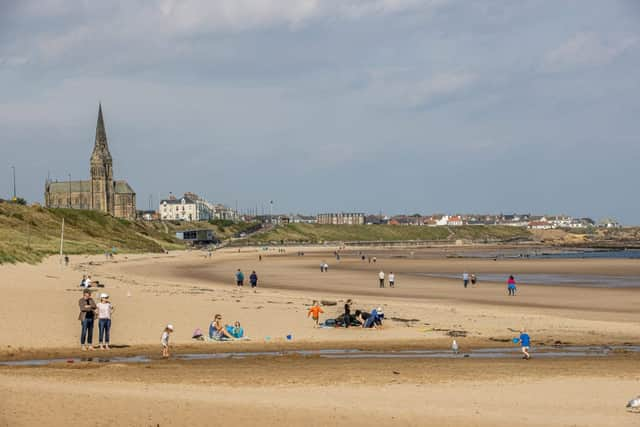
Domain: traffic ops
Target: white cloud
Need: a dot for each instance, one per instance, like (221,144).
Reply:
(586,49)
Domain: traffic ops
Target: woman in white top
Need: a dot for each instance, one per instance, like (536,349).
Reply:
(105,309)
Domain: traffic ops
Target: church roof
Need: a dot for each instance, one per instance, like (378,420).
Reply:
(73,186)
(123,187)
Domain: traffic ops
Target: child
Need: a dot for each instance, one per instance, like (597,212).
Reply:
(525,343)
(314,312)
(105,308)
(511,286)
(165,340)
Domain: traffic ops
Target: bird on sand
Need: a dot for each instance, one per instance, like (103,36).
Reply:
(634,404)
(454,347)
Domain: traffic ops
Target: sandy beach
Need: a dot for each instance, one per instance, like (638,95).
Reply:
(39,311)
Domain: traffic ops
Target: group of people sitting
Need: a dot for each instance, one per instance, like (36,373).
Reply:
(218,331)
(361,318)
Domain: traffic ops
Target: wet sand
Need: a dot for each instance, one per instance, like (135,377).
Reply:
(317,392)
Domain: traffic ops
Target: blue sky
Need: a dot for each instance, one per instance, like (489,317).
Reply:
(332,105)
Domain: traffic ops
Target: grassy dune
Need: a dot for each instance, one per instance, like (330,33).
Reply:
(314,233)
(29,233)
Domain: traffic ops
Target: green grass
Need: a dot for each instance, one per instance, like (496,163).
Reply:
(316,233)
(30,233)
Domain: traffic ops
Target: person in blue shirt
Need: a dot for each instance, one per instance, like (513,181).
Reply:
(239,278)
(253,280)
(525,343)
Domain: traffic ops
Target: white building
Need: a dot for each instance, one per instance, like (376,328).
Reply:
(184,209)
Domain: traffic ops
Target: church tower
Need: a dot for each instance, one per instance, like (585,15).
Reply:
(102,187)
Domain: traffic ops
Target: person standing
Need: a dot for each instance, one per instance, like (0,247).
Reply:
(239,278)
(381,277)
(465,279)
(253,280)
(474,279)
(87,314)
(392,279)
(347,313)
(322,267)
(511,286)
(105,309)
(164,340)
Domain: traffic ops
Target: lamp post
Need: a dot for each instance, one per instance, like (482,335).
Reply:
(271,212)
(14,183)
(69,199)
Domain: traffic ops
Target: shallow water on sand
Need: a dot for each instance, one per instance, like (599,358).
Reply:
(486,353)
(579,280)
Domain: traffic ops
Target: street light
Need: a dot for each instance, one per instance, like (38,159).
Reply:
(69,200)
(14,183)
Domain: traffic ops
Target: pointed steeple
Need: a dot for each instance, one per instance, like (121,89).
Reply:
(101,148)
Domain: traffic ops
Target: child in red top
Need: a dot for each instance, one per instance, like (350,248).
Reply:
(314,312)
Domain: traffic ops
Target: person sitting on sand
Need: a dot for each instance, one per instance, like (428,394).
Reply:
(236,330)
(218,331)
(164,340)
(362,317)
(314,313)
(511,286)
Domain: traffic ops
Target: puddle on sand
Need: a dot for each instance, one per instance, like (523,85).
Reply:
(485,353)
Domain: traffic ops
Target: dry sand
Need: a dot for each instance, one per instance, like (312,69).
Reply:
(38,314)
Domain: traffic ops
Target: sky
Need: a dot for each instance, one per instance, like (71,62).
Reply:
(392,106)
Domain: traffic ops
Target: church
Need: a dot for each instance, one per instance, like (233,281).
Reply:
(101,192)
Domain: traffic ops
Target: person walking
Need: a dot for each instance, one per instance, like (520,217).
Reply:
(474,279)
(465,279)
(253,280)
(381,277)
(239,278)
(511,286)
(392,280)
(87,315)
(525,344)
(314,313)
(105,309)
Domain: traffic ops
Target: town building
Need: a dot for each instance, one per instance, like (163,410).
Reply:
(101,192)
(348,218)
(184,209)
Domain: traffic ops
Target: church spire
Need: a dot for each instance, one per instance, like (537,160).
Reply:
(101,148)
